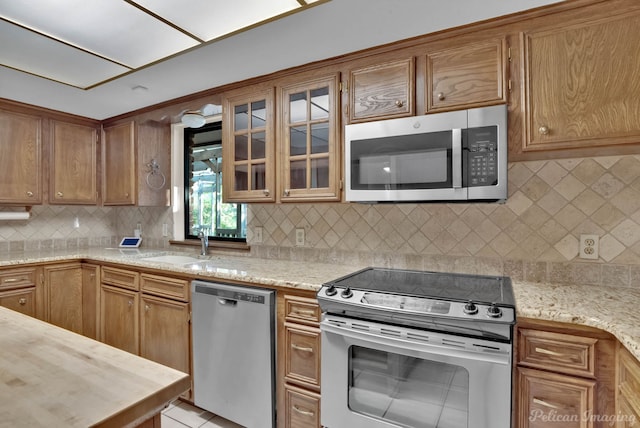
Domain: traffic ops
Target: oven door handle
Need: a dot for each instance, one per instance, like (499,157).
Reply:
(484,352)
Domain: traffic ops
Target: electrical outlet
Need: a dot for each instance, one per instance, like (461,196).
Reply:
(299,237)
(589,246)
(165,229)
(257,234)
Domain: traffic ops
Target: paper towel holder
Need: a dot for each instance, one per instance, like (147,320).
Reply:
(16,215)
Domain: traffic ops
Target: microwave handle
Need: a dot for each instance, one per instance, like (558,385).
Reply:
(456,158)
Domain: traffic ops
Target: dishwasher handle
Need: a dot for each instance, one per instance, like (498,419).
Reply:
(227,302)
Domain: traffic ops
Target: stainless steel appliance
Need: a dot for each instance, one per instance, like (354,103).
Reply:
(234,352)
(404,348)
(452,156)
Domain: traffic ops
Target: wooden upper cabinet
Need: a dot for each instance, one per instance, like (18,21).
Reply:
(73,166)
(119,164)
(582,83)
(382,91)
(308,135)
(248,146)
(471,75)
(20,159)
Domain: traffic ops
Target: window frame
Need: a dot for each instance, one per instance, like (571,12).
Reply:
(186,165)
(178,189)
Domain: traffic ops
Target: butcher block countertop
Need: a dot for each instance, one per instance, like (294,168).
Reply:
(51,377)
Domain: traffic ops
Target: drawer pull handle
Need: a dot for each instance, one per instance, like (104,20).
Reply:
(302,411)
(22,301)
(399,103)
(545,403)
(549,352)
(11,280)
(301,348)
(305,312)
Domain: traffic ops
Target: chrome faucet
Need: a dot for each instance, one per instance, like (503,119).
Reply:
(204,242)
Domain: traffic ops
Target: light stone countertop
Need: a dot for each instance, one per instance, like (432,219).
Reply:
(607,308)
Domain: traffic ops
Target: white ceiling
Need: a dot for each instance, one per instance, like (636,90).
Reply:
(86,57)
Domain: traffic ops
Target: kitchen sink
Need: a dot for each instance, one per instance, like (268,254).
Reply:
(172,259)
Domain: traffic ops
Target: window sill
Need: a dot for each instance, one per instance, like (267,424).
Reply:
(217,245)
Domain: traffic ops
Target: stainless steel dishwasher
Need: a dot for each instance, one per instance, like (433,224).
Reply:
(234,352)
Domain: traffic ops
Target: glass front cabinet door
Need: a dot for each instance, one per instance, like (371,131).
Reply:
(309,140)
(249,146)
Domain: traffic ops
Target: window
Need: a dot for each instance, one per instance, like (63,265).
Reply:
(204,209)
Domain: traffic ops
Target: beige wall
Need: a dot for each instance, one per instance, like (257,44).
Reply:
(534,236)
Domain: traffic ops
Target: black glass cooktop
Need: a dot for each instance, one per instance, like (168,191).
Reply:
(435,285)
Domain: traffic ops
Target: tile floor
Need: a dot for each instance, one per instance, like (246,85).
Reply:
(180,415)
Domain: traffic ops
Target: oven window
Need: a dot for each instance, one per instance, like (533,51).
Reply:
(408,391)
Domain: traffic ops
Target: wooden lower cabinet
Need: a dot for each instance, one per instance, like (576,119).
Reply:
(298,360)
(22,300)
(302,408)
(628,389)
(547,398)
(19,290)
(90,299)
(302,355)
(565,375)
(63,296)
(165,333)
(119,318)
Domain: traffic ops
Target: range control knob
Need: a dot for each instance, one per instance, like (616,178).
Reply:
(331,291)
(346,293)
(494,311)
(470,308)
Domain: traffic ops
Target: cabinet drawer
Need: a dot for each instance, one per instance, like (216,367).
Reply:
(120,278)
(302,408)
(302,309)
(558,352)
(167,287)
(17,278)
(22,300)
(543,395)
(302,355)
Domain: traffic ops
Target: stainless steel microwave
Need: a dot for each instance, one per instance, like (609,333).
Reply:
(452,156)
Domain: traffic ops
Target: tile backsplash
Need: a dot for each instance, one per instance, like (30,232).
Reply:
(534,235)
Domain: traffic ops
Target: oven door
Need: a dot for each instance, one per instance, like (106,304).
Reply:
(377,375)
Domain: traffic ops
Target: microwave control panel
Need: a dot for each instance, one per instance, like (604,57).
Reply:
(482,156)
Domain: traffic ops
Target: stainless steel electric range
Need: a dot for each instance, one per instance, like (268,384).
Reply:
(403,348)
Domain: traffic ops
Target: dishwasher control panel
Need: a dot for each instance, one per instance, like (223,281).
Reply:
(231,294)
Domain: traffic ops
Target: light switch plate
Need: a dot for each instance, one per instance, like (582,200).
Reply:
(257,234)
(299,237)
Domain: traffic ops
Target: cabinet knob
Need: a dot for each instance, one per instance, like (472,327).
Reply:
(30,194)
(399,103)
(266,192)
(544,130)
(147,307)
(130,302)
(59,194)
(441,96)
(126,195)
(286,192)
(22,301)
